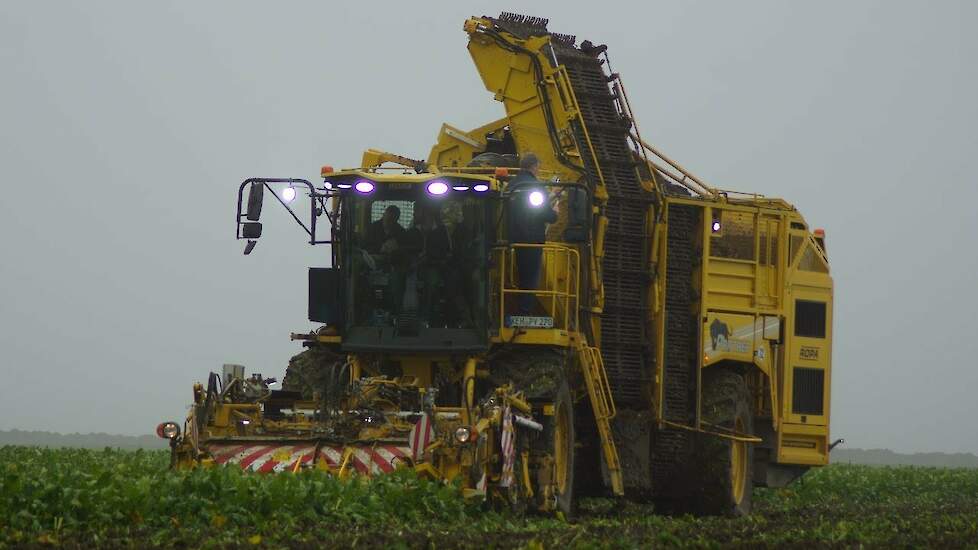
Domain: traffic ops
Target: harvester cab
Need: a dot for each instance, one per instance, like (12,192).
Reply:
(421,285)
(410,256)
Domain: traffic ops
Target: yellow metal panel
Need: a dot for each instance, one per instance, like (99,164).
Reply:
(729,336)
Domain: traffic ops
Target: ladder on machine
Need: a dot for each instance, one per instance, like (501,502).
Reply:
(603,405)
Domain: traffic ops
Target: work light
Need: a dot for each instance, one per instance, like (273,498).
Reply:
(536,199)
(288,194)
(463,434)
(437,187)
(364,187)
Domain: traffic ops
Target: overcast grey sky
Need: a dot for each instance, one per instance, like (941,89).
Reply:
(125,128)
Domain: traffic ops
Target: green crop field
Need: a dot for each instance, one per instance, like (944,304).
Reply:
(79,498)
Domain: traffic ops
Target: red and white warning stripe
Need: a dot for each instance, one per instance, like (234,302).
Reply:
(507,444)
(269,458)
(420,437)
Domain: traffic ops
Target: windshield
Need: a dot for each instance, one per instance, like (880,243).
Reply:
(417,263)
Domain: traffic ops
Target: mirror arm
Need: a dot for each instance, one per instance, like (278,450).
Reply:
(311,231)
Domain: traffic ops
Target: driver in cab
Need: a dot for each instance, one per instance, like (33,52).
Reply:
(384,235)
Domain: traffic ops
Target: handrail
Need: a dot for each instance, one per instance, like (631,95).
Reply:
(569,90)
(556,258)
(704,188)
(603,407)
(606,402)
(626,108)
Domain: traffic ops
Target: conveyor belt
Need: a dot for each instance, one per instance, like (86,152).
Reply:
(624,336)
(679,400)
(625,348)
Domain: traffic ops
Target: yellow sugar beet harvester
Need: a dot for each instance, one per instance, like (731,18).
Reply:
(678,347)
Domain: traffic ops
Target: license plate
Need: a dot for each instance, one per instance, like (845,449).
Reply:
(529,321)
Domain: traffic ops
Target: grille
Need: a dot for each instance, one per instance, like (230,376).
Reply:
(807,391)
(810,319)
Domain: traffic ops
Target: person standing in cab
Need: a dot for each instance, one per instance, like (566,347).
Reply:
(384,235)
(530,210)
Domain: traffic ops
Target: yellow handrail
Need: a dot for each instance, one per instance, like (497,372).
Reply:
(559,260)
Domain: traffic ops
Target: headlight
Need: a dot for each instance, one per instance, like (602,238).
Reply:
(168,430)
(438,188)
(536,199)
(288,194)
(480,187)
(463,434)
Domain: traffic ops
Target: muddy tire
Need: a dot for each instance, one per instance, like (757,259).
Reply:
(725,466)
(542,375)
(555,450)
(309,372)
(588,475)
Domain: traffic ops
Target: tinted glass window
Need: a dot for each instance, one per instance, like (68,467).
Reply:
(417,262)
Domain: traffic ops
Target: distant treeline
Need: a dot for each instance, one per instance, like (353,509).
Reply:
(875,457)
(84,441)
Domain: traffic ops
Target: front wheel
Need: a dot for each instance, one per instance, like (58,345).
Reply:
(314,371)
(555,456)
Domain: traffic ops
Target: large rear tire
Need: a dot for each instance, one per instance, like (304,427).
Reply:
(725,464)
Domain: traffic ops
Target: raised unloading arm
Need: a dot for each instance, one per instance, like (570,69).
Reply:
(540,104)
(372,158)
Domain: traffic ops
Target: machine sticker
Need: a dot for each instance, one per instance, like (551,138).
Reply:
(809,353)
(724,339)
(733,334)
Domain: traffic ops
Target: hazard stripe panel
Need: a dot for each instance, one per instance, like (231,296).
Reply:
(272,458)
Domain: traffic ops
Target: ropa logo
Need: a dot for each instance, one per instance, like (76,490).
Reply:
(809,353)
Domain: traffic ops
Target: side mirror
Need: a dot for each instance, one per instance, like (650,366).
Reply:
(256,195)
(250,231)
